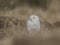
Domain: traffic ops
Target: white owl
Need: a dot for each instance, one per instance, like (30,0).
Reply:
(33,24)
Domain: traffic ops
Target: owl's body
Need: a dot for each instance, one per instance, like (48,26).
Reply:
(33,23)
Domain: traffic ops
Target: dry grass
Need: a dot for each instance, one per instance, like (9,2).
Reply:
(49,33)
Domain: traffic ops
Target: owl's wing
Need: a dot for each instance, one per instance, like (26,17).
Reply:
(38,26)
(28,25)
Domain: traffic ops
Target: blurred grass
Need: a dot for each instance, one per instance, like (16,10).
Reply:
(11,4)
(48,18)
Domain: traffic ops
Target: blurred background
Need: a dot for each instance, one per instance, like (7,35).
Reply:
(12,4)
(48,12)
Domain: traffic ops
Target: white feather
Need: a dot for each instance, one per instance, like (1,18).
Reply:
(33,23)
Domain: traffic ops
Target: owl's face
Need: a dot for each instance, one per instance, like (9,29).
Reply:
(34,18)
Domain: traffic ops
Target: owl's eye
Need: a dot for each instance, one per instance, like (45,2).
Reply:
(33,17)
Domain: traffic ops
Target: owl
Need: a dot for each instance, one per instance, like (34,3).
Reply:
(33,24)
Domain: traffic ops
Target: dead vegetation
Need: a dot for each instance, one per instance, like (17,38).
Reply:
(50,25)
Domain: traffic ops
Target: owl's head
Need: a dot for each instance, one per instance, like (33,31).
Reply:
(34,18)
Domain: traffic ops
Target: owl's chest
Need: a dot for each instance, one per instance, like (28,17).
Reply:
(34,24)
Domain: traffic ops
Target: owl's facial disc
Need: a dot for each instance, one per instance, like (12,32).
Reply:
(34,18)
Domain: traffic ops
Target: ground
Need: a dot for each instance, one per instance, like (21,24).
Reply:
(49,33)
